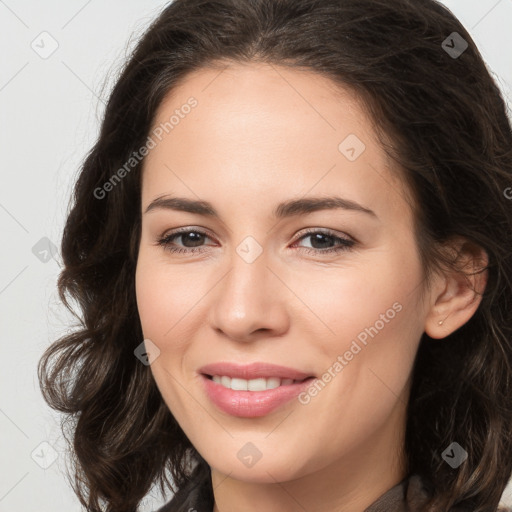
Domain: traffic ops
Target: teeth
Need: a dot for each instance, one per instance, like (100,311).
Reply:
(260,384)
(257,384)
(239,384)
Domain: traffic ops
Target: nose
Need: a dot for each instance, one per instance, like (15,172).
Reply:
(249,301)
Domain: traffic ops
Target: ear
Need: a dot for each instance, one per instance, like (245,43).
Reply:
(458,292)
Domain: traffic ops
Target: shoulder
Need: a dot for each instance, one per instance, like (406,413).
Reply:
(417,492)
(195,496)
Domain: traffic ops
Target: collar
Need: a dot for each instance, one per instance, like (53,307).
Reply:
(197,495)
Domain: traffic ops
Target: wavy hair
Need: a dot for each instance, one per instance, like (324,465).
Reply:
(441,118)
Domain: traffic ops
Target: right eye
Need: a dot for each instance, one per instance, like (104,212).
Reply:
(167,241)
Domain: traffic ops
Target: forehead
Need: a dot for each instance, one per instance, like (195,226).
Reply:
(267,93)
(256,127)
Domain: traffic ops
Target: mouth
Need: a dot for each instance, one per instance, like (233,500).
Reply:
(254,390)
(274,375)
(257,384)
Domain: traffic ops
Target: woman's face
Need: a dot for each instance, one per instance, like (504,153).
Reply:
(261,145)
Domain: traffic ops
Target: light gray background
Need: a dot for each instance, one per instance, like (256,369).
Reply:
(50,111)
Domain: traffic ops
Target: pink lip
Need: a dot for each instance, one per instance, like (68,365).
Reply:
(252,404)
(253,371)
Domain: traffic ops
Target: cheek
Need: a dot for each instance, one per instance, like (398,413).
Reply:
(163,310)
(342,305)
(165,296)
(368,317)
(152,300)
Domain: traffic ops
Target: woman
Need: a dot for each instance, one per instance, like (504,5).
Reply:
(221,339)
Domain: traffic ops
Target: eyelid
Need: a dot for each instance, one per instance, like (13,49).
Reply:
(326,231)
(186,229)
(344,242)
(298,236)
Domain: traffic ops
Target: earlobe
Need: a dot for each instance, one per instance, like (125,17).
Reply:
(460,292)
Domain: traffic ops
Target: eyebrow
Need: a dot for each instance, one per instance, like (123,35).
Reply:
(289,208)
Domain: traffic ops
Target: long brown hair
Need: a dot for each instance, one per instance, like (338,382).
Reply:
(439,115)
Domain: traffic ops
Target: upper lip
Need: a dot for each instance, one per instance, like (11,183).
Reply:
(252,371)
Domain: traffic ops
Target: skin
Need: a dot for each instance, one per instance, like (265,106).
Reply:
(259,135)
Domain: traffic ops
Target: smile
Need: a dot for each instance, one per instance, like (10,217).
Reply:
(260,384)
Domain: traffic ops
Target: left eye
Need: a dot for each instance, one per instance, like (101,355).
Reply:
(196,238)
(319,237)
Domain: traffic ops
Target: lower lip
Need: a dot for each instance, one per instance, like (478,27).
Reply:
(252,404)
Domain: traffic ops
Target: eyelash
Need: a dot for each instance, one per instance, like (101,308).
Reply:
(345,243)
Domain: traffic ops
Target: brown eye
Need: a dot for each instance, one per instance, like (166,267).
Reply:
(191,239)
(321,239)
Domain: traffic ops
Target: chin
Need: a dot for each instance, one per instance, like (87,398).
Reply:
(267,471)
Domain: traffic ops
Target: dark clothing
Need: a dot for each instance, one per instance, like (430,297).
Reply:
(197,496)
